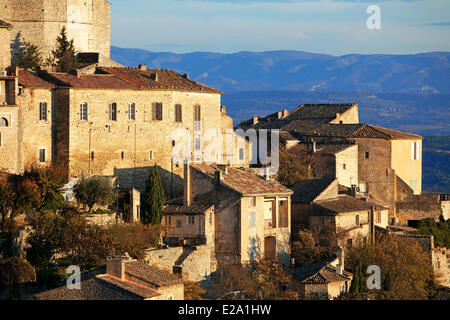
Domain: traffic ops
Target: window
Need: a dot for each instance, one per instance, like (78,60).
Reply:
(178,113)
(197,118)
(132,111)
(43,111)
(41,155)
(122,155)
(366,155)
(191,220)
(344,166)
(241,153)
(252,201)
(3,122)
(252,219)
(378,217)
(113,112)
(157,111)
(415,150)
(179,223)
(169,219)
(357,219)
(150,155)
(92,155)
(83,112)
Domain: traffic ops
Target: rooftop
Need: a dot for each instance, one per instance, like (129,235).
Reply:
(191,209)
(150,275)
(308,190)
(29,79)
(321,272)
(343,204)
(243,181)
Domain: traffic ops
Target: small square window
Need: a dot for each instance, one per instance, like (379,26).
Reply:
(191,220)
(150,155)
(179,224)
(41,155)
(366,155)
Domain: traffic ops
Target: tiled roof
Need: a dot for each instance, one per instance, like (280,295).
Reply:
(4,24)
(128,286)
(343,204)
(329,148)
(28,79)
(308,190)
(327,274)
(319,111)
(166,79)
(136,270)
(321,272)
(244,182)
(94,81)
(361,131)
(193,208)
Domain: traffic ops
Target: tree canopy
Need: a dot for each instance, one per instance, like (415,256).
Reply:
(153,198)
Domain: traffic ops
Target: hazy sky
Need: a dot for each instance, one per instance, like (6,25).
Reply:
(325,26)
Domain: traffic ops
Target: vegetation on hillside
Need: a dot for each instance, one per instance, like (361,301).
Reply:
(439,230)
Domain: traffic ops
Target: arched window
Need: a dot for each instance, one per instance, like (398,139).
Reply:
(113,112)
(132,111)
(3,122)
(43,111)
(83,111)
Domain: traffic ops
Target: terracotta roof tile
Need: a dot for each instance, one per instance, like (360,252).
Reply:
(244,182)
(362,131)
(193,208)
(322,272)
(141,272)
(162,79)
(343,204)
(28,79)
(128,286)
(94,81)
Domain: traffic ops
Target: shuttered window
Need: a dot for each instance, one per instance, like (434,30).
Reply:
(113,112)
(41,155)
(157,111)
(197,118)
(83,112)
(43,111)
(132,111)
(178,113)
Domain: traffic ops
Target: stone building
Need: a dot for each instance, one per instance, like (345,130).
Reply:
(252,214)
(113,122)
(324,280)
(317,205)
(124,279)
(5,51)
(88,23)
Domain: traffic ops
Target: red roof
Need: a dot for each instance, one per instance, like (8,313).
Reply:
(92,81)
(28,79)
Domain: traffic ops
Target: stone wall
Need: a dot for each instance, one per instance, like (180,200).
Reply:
(101,219)
(440,258)
(418,207)
(5,51)
(347,166)
(88,22)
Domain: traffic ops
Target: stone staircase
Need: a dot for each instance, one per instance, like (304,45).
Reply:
(178,263)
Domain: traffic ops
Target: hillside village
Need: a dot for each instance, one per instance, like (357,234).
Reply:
(359,185)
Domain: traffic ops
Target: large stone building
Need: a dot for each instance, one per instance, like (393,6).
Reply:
(88,23)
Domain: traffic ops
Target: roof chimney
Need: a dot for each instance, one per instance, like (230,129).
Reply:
(279,115)
(218,175)
(353,190)
(341,257)
(115,265)
(142,67)
(255,120)
(223,168)
(338,117)
(186,76)
(314,146)
(285,113)
(267,173)
(154,76)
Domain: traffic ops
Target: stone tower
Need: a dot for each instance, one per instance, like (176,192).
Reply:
(88,22)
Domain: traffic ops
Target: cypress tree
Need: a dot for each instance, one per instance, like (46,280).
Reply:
(65,55)
(153,199)
(24,54)
(357,285)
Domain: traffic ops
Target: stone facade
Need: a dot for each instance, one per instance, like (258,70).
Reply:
(88,22)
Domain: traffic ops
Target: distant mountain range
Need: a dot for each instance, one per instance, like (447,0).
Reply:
(303,71)
(404,92)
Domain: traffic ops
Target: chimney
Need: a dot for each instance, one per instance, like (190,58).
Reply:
(353,191)
(285,113)
(267,173)
(341,257)
(187,184)
(218,176)
(223,109)
(115,265)
(142,67)
(314,146)
(279,115)
(223,168)
(338,117)
(255,120)
(186,76)
(154,76)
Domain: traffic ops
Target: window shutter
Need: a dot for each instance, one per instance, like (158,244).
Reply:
(412,150)
(154,105)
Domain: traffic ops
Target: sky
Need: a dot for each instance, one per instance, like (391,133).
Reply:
(335,27)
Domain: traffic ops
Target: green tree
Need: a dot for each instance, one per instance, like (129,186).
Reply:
(65,55)
(24,54)
(292,169)
(153,198)
(15,272)
(94,191)
(6,201)
(357,286)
